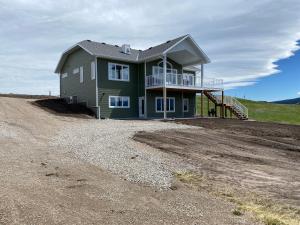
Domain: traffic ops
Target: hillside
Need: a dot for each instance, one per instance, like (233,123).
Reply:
(289,101)
(265,112)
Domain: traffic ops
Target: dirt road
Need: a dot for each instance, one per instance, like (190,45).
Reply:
(40,184)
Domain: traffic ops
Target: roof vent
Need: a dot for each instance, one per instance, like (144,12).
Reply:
(126,49)
(150,48)
(168,41)
(88,40)
(116,45)
(103,43)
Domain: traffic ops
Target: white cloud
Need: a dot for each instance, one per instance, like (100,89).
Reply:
(298,93)
(242,38)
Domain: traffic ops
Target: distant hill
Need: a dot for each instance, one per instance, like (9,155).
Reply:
(266,111)
(289,101)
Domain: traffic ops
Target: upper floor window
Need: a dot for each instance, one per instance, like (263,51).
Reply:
(118,72)
(81,74)
(93,71)
(64,75)
(76,70)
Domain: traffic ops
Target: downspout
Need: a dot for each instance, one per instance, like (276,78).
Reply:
(97,92)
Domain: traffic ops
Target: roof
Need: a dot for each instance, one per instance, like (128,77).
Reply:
(107,50)
(159,49)
(104,50)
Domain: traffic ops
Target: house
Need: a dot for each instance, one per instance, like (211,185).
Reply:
(121,82)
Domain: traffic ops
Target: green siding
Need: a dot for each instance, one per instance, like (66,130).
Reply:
(86,91)
(151,112)
(118,88)
(71,86)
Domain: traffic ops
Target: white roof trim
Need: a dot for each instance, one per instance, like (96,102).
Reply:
(195,43)
(175,44)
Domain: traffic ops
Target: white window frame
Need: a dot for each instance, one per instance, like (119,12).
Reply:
(93,70)
(160,69)
(81,74)
(64,75)
(162,99)
(117,64)
(188,104)
(76,70)
(122,99)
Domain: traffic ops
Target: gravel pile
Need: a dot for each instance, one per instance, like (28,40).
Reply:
(108,144)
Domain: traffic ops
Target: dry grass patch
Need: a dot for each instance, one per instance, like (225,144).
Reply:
(267,211)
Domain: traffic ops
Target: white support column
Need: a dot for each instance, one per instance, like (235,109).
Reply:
(145,97)
(202,74)
(165,85)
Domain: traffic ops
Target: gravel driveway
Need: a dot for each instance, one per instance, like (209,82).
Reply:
(109,144)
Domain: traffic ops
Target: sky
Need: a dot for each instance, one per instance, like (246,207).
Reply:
(250,43)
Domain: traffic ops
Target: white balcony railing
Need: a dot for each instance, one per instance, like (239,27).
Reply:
(182,80)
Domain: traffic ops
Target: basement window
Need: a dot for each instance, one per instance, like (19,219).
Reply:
(119,102)
(159,104)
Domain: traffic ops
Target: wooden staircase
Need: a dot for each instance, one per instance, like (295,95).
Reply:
(230,103)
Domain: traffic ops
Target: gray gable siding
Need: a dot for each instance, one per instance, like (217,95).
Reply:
(71,86)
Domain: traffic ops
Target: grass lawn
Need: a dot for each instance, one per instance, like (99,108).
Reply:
(263,111)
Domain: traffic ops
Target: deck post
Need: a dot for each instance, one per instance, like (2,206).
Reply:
(182,103)
(222,107)
(202,74)
(208,109)
(145,96)
(165,85)
(216,110)
(201,104)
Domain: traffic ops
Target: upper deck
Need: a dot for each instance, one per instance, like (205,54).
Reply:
(183,81)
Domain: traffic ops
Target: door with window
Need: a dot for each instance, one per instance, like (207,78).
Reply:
(141,107)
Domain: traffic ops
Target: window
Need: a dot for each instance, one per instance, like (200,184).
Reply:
(185,105)
(118,72)
(93,71)
(156,70)
(159,103)
(81,74)
(76,70)
(119,102)
(64,75)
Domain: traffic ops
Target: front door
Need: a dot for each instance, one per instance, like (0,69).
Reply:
(141,107)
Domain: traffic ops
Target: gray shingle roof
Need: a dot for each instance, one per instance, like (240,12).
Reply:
(115,52)
(106,50)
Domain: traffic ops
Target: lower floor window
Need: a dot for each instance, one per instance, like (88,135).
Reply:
(159,104)
(119,102)
(185,105)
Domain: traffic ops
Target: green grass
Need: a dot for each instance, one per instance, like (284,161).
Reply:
(263,111)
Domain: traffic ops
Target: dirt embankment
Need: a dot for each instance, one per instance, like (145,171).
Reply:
(43,184)
(258,157)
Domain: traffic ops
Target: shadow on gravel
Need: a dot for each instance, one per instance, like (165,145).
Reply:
(59,107)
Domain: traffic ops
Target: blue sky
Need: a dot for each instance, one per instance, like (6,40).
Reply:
(283,85)
(243,44)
